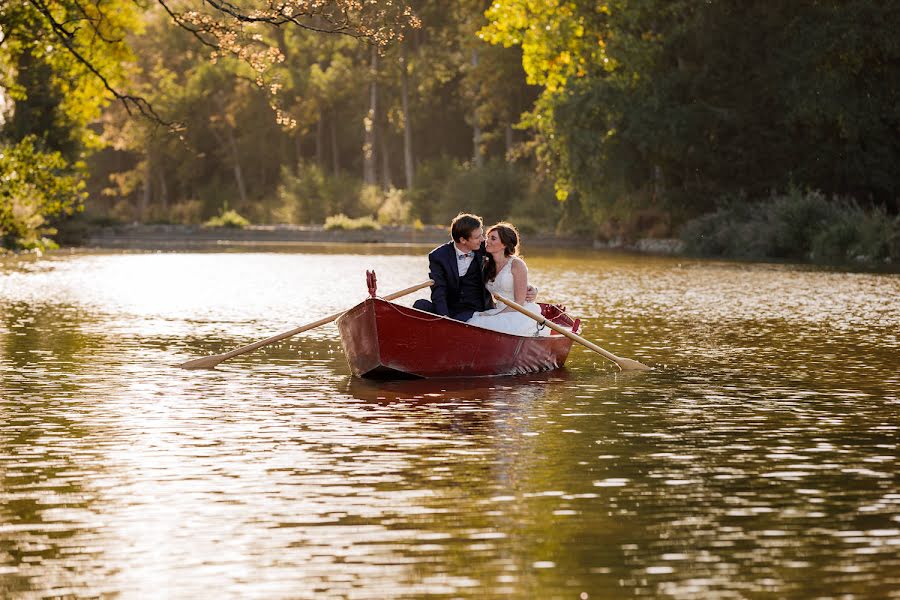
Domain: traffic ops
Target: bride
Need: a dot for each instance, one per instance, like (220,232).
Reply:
(506,275)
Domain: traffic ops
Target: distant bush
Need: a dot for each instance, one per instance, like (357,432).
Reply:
(859,235)
(395,210)
(188,212)
(496,191)
(368,200)
(311,194)
(431,181)
(798,224)
(342,221)
(490,191)
(229,218)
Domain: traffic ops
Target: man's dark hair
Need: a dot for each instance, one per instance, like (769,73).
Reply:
(463,225)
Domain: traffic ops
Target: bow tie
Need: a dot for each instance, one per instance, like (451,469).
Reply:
(464,256)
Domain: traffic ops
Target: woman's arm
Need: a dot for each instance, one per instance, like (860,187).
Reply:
(520,279)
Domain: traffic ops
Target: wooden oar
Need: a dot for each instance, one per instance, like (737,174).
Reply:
(209,362)
(625,364)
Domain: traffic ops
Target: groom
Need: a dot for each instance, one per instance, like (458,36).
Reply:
(457,269)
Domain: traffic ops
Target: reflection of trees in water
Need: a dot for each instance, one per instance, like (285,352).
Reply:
(42,350)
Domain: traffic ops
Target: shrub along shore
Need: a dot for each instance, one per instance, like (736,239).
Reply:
(154,237)
(795,226)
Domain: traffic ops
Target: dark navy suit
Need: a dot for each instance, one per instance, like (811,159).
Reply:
(451,295)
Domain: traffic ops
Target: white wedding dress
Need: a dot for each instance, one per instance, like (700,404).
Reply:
(503,318)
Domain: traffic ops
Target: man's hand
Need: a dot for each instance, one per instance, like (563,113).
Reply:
(531,293)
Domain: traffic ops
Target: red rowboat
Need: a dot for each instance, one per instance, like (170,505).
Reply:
(383,340)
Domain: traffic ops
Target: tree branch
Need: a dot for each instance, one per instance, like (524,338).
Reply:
(95,25)
(67,39)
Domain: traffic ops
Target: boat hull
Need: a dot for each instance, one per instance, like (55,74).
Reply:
(383,340)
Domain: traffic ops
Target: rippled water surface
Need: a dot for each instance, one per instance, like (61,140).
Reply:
(759,457)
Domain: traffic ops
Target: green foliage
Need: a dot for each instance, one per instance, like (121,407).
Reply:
(560,38)
(395,210)
(859,235)
(343,222)
(55,95)
(489,191)
(34,186)
(45,136)
(795,225)
(310,195)
(228,218)
(496,191)
(432,177)
(704,99)
(646,112)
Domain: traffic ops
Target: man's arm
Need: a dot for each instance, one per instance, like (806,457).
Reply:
(438,274)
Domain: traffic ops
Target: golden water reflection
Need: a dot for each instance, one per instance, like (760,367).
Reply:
(759,457)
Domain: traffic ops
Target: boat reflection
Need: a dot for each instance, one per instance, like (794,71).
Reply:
(454,390)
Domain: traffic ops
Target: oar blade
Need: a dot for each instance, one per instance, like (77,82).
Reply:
(627,364)
(205,362)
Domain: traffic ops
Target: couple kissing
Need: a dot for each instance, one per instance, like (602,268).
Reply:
(474,265)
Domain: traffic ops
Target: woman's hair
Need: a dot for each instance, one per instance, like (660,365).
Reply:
(463,225)
(509,237)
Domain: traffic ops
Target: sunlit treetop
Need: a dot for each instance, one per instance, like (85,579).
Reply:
(559,38)
(81,43)
(94,34)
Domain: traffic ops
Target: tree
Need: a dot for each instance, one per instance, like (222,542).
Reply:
(62,61)
(683,102)
(33,185)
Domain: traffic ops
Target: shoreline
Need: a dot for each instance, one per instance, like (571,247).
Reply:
(138,237)
(173,237)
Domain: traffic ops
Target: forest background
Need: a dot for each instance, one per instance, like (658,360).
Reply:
(749,128)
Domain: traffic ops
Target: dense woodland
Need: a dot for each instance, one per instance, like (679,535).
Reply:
(724,121)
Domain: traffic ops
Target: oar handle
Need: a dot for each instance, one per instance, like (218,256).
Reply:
(319,323)
(623,363)
(281,336)
(409,290)
(208,362)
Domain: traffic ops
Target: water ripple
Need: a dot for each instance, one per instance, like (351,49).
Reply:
(758,458)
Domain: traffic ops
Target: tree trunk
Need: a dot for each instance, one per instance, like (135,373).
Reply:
(238,171)
(386,180)
(163,192)
(407,126)
(476,127)
(298,150)
(148,190)
(509,139)
(231,142)
(335,156)
(659,183)
(369,164)
(320,140)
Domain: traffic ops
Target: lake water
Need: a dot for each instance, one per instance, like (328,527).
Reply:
(759,457)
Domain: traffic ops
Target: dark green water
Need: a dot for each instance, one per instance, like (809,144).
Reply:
(758,459)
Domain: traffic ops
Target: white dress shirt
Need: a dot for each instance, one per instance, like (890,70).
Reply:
(463,261)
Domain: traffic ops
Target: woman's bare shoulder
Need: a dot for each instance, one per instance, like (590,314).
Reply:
(518,264)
